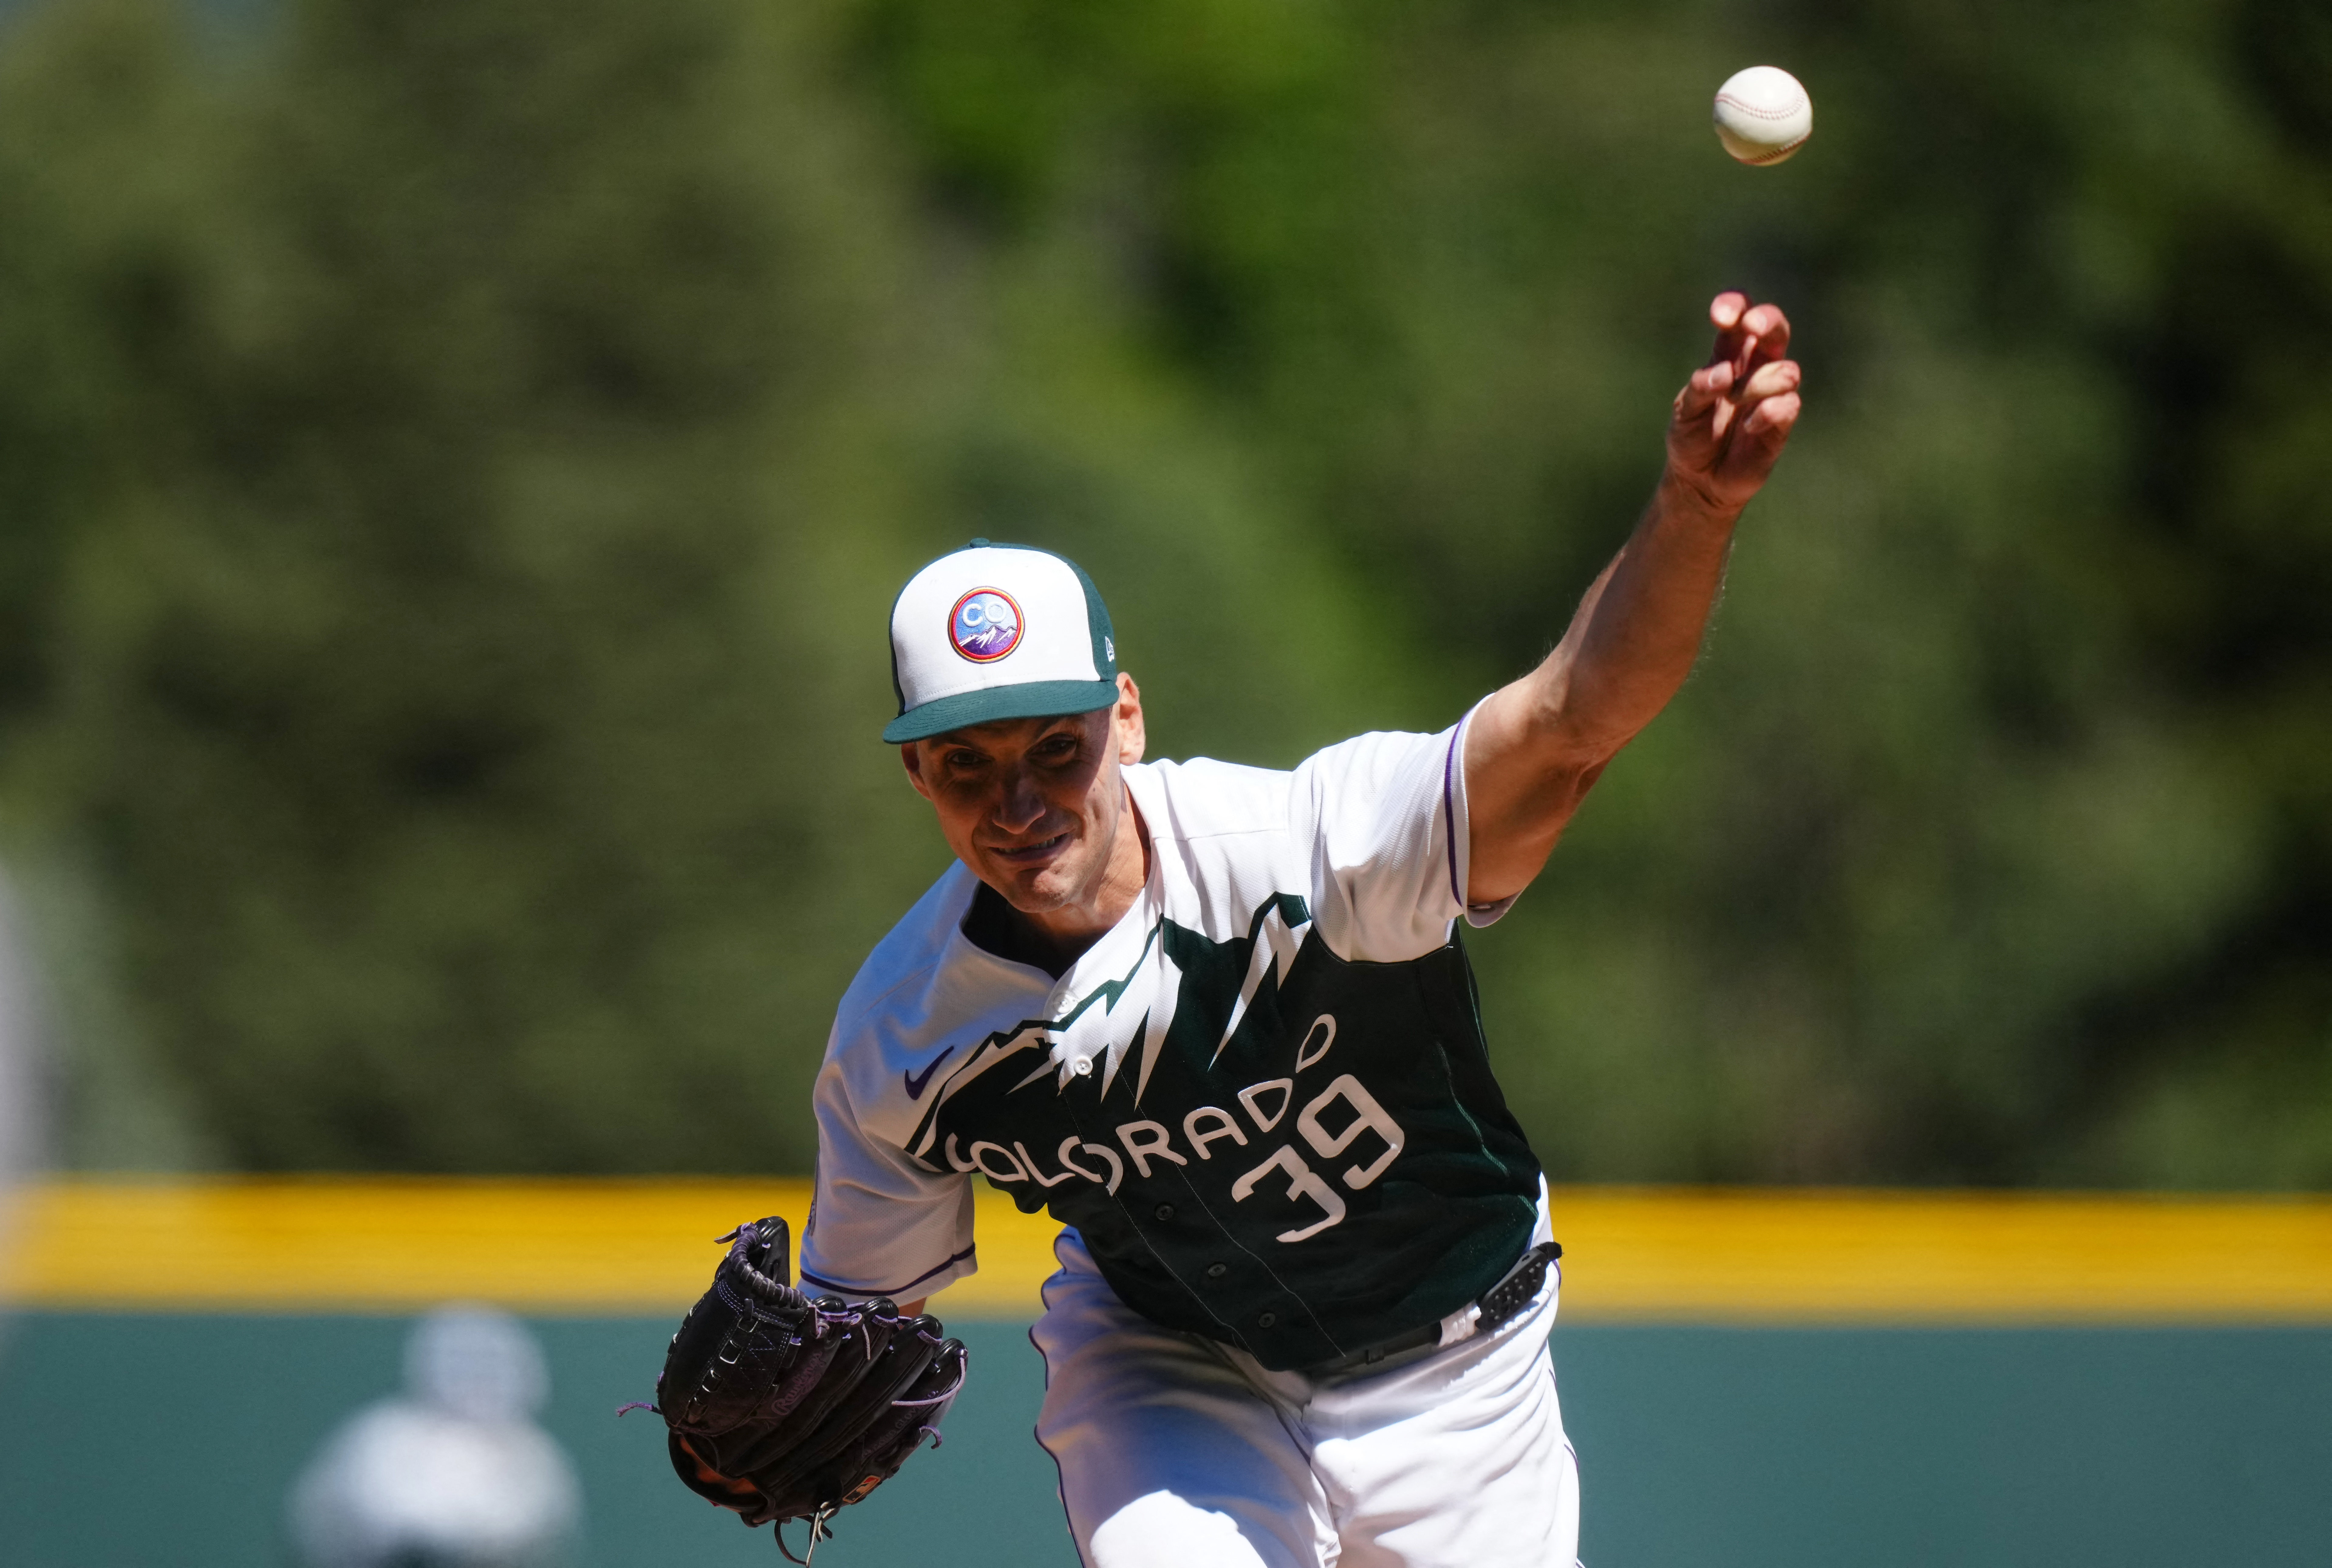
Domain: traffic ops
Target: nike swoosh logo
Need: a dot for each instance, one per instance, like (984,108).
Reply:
(915,1085)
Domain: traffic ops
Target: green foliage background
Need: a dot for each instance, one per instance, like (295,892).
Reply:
(456,459)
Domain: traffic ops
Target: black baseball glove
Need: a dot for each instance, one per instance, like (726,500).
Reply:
(783,1408)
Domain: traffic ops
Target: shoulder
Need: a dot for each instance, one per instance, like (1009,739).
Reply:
(910,956)
(1205,799)
(1377,755)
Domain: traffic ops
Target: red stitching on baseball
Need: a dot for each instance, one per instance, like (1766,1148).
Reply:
(1777,154)
(1752,109)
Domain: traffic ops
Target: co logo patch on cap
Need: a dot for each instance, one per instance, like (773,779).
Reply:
(984,626)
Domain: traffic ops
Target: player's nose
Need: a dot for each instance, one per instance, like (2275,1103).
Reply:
(1019,802)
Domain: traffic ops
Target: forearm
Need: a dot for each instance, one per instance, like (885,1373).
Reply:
(1634,638)
(1537,745)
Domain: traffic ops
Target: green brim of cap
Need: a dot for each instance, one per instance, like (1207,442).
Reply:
(1031,700)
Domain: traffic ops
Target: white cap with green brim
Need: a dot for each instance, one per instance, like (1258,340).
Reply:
(998,631)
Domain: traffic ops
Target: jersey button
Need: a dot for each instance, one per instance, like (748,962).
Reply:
(1268,1320)
(1165,1212)
(1081,1066)
(1216,1270)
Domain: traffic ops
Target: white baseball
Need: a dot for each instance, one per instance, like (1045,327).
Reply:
(1762,115)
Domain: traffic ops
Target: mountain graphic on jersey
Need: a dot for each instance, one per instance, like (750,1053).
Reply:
(1259,1140)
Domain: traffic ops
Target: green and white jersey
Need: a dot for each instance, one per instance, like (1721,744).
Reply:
(1262,1098)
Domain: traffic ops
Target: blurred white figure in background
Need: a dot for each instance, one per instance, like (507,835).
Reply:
(454,1475)
(22,1062)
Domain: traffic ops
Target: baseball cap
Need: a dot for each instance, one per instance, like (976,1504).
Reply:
(998,631)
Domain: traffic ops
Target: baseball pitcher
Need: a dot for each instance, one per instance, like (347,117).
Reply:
(1219,1022)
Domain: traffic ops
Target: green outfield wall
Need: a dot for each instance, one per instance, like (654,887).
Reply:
(1842,1378)
(169,1439)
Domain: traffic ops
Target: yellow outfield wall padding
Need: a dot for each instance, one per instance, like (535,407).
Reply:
(541,1246)
(1848,1256)
(1642,1255)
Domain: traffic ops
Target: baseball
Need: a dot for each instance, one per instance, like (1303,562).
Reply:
(1762,115)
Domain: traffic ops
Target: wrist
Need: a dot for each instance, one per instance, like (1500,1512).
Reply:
(1687,497)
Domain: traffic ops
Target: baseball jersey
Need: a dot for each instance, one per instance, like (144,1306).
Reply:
(1262,1098)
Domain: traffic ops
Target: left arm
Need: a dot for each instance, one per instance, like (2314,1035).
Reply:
(1537,745)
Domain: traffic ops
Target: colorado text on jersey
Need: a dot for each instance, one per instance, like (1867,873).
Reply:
(1255,1137)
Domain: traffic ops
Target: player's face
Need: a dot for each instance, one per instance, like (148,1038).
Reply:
(1034,807)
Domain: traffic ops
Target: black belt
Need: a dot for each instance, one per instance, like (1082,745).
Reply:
(1498,1306)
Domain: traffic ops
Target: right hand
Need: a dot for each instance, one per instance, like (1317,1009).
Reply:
(1734,415)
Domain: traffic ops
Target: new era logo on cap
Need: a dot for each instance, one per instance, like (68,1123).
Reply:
(998,631)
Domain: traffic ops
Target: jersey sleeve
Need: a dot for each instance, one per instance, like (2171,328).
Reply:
(880,1224)
(1385,816)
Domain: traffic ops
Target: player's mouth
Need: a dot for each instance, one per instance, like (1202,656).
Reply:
(1036,854)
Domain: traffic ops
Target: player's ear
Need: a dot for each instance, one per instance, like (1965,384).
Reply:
(911,757)
(1133,737)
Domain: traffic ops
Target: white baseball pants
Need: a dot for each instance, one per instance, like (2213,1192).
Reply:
(1176,1452)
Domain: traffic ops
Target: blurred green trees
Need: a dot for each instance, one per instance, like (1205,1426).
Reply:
(457,457)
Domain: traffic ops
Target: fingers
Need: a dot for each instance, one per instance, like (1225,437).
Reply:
(1747,335)
(1714,385)
(1735,413)
(1756,444)
(1763,414)
(1703,389)
(1771,419)
(1771,327)
(1767,381)
(1725,313)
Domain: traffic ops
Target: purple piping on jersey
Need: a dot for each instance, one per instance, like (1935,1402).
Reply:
(1449,811)
(896,1291)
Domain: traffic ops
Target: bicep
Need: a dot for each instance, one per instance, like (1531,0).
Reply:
(1523,783)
